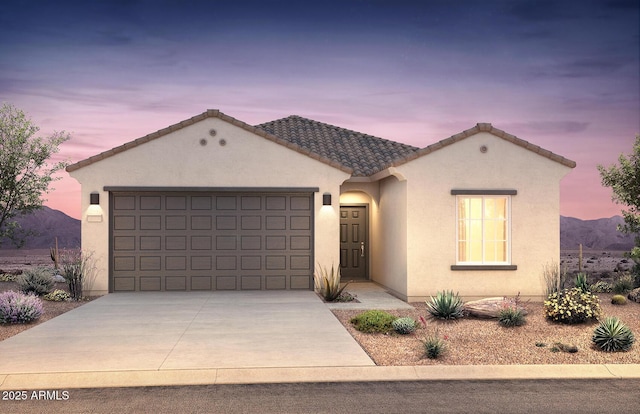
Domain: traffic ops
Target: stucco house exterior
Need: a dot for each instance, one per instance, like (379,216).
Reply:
(212,203)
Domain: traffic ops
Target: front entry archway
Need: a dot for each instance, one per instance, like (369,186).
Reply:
(354,242)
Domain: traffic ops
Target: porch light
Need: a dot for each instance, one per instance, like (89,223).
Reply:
(94,198)
(326,199)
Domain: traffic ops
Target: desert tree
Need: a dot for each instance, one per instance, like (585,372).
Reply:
(25,169)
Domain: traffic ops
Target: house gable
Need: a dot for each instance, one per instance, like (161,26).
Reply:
(484,127)
(211,113)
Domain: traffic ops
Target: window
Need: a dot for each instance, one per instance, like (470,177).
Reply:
(483,230)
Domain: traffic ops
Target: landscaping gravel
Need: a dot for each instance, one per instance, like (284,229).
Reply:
(472,341)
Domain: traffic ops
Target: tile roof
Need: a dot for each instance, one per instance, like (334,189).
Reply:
(363,153)
(359,154)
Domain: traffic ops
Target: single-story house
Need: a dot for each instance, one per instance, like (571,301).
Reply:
(212,203)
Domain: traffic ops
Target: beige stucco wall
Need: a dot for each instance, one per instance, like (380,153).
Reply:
(431,213)
(178,160)
(390,263)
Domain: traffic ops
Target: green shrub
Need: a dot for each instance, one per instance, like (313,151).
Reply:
(572,306)
(38,280)
(623,284)
(601,287)
(511,316)
(373,321)
(434,346)
(404,325)
(16,307)
(612,335)
(618,300)
(446,305)
(581,282)
(327,283)
(57,295)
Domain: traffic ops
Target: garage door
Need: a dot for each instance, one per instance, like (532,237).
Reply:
(181,241)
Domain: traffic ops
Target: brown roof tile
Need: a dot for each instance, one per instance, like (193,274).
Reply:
(350,151)
(363,153)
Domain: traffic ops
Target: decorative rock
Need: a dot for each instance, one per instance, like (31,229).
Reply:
(58,279)
(634,295)
(489,307)
(624,266)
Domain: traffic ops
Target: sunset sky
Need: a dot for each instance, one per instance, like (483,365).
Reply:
(561,74)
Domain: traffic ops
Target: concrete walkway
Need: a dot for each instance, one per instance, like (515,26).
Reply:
(153,339)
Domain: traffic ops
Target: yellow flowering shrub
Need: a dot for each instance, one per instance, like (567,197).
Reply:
(572,306)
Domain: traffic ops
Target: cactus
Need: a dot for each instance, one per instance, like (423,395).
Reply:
(618,300)
(54,254)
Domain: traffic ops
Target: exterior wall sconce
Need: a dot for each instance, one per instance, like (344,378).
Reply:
(326,199)
(94,198)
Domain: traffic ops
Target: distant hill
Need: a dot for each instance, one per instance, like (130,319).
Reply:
(592,234)
(48,224)
(599,234)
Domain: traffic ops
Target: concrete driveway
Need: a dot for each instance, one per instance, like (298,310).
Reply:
(184,331)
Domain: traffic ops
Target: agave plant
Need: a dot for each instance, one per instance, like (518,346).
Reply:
(327,283)
(446,305)
(582,283)
(612,335)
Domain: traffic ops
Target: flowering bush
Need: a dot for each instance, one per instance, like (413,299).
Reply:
(17,307)
(572,306)
(57,295)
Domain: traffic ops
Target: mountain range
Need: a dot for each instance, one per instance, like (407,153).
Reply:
(47,225)
(599,234)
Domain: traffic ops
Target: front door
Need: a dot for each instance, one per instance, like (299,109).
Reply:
(354,249)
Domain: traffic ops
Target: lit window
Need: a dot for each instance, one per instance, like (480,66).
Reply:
(483,230)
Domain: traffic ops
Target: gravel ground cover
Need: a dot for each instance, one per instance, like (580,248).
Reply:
(473,341)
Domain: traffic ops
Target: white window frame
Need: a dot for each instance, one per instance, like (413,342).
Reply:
(475,194)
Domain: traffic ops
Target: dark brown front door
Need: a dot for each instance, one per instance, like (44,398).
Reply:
(354,249)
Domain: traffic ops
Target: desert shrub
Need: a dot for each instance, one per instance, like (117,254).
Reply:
(554,277)
(612,335)
(581,282)
(434,346)
(623,284)
(572,306)
(511,316)
(57,295)
(373,321)
(38,280)
(618,300)
(446,305)
(16,307)
(601,287)
(404,325)
(634,295)
(327,283)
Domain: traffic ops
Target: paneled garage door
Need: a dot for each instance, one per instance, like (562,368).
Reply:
(163,241)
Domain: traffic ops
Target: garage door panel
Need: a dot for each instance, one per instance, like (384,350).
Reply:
(226,283)
(176,283)
(276,282)
(200,282)
(203,241)
(251,282)
(150,283)
(124,284)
